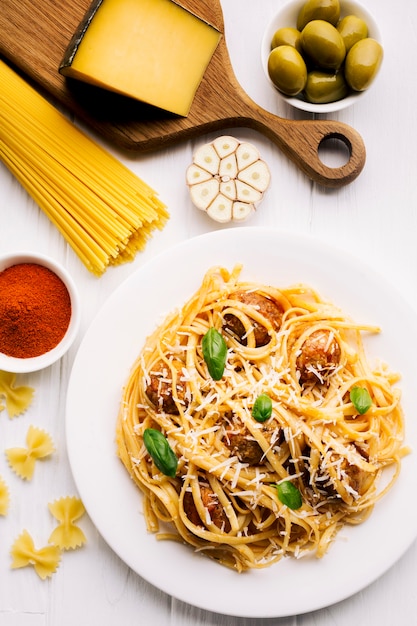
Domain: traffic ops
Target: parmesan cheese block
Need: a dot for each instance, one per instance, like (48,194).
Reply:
(151,50)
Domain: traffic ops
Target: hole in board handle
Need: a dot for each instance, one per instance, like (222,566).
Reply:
(334,151)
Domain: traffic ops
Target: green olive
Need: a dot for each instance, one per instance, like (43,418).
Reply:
(323,87)
(352,29)
(287,70)
(287,36)
(362,63)
(323,43)
(327,10)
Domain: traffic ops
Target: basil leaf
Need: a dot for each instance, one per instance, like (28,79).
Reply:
(361,399)
(161,452)
(289,495)
(214,353)
(262,408)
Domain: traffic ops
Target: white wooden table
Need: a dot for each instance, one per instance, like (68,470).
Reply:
(374,218)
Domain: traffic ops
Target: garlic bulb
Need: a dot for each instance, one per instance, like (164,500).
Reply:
(227,179)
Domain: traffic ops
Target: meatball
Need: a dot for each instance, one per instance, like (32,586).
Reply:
(246,449)
(319,357)
(211,503)
(358,479)
(268,308)
(159,389)
(348,474)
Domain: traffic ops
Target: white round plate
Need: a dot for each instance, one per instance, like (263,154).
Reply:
(360,554)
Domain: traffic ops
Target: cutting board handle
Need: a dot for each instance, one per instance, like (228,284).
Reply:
(301,141)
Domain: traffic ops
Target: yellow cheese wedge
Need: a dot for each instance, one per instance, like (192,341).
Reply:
(152,50)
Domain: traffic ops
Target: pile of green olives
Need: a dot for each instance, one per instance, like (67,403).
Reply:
(323,58)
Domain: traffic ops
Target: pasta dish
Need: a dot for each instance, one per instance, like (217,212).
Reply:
(254,424)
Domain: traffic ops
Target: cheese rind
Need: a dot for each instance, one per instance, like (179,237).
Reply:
(151,50)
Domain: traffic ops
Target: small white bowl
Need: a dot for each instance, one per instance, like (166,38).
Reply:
(33,364)
(287,16)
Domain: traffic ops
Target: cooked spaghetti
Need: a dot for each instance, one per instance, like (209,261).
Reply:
(284,446)
(104,211)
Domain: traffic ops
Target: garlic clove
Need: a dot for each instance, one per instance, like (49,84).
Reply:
(257,175)
(228,167)
(246,193)
(203,194)
(241,211)
(246,154)
(196,174)
(221,209)
(207,158)
(225,145)
(228,189)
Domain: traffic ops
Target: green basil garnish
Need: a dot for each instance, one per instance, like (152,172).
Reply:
(161,452)
(289,495)
(361,399)
(262,409)
(214,352)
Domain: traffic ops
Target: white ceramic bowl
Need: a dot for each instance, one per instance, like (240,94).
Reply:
(32,364)
(287,16)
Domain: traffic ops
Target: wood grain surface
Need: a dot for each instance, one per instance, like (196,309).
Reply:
(34,36)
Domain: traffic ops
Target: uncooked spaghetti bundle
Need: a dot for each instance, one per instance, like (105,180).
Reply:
(105,212)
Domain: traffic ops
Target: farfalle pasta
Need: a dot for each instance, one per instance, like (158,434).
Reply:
(67,535)
(44,560)
(23,460)
(17,398)
(4,497)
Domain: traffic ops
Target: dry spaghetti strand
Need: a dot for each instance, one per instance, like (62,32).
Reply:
(103,210)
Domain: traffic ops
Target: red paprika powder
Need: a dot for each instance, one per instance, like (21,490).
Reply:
(35,310)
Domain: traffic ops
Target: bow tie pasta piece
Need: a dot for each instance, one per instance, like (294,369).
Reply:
(67,535)
(4,497)
(17,398)
(22,460)
(45,560)
(227,179)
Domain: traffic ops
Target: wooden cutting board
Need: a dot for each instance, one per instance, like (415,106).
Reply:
(35,34)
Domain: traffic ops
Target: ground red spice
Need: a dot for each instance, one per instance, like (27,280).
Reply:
(35,310)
